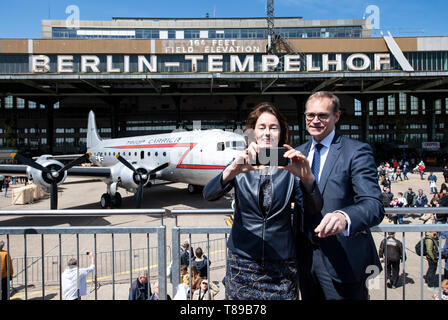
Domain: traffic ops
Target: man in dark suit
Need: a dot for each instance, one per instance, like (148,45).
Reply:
(336,251)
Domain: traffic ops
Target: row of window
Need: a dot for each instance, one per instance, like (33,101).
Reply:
(254,33)
(110,154)
(8,103)
(387,106)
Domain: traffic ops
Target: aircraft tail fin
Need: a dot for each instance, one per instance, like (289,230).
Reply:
(92,133)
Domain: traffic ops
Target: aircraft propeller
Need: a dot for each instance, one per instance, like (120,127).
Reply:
(52,173)
(140,177)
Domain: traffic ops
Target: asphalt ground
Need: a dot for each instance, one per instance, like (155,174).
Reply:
(84,193)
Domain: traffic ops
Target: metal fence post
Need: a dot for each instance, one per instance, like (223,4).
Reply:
(175,258)
(161,239)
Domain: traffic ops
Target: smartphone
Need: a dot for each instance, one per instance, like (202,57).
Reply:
(271,157)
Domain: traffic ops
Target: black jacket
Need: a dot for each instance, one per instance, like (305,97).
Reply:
(270,237)
(139,291)
(394,249)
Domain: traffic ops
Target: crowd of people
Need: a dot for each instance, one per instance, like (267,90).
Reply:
(6,181)
(388,174)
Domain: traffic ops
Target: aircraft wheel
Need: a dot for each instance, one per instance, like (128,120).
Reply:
(106,201)
(192,188)
(116,200)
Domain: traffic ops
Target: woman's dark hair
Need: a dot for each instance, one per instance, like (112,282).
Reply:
(263,107)
(198,252)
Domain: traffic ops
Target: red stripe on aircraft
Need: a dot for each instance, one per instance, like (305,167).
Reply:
(171,145)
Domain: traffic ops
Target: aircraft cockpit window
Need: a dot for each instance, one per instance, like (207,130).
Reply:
(237,145)
(220,146)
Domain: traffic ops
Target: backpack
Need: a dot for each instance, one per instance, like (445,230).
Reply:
(418,248)
(425,252)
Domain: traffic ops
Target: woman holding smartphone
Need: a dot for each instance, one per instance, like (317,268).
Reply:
(261,247)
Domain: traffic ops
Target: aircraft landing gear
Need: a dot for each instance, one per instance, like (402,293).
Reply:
(116,200)
(108,202)
(194,188)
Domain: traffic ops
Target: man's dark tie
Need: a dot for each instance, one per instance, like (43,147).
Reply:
(265,193)
(315,167)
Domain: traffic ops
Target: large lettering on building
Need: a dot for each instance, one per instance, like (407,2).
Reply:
(209,63)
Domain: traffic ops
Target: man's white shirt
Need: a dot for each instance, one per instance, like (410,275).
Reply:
(70,282)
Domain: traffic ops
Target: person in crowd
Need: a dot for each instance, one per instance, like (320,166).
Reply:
(333,262)
(184,277)
(381,173)
(2,179)
(140,290)
(395,216)
(391,173)
(201,261)
(432,249)
(6,185)
(410,197)
(155,295)
(421,169)
(74,275)
(405,172)
(444,296)
(398,174)
(387,183)
(261,248)
(393,254)
(387,197)
(6,264)
(445,173)
(186,253)
(444,253)
(443,187)
(432,182)
(194,278)
(207,291)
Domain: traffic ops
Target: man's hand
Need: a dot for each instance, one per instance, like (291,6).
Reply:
(331,224)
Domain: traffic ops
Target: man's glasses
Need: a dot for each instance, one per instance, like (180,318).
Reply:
(321,116)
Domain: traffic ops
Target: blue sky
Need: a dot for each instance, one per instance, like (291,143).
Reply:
(22,18)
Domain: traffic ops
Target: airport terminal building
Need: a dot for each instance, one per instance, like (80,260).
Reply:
(153,75)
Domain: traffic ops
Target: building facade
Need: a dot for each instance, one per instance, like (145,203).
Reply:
(144,76)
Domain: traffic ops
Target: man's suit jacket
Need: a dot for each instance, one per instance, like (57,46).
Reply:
(349,183)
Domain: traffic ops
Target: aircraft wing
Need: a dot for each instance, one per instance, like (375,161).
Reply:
(12,168)
(61,157)
(74,171)
(89,171)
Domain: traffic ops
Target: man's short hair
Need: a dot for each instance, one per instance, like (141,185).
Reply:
(2,244)
(335,104)
(143,273)
(72,262)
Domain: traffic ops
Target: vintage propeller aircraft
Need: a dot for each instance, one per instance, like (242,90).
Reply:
(193,157)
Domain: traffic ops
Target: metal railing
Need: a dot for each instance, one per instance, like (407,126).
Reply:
(160,231)
(177,231)
(104,266)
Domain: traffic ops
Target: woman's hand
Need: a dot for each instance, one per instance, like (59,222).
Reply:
(241,164)
(299,165)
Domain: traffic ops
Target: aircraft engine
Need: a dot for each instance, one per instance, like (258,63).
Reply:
(43,179)
(128,179)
